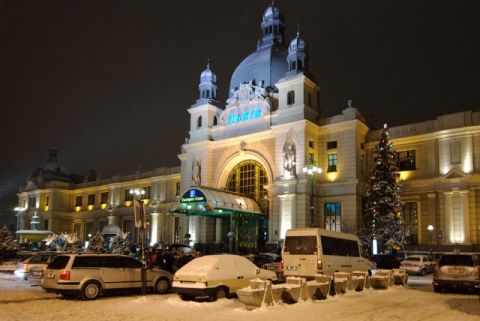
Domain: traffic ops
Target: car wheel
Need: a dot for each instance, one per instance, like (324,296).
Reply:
(437,289)
(423,272)
(220,293)
(91,290)
(162,286)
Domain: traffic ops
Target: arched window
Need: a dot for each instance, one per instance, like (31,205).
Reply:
(248,178)
(291,97)
(215,121)
(199,122)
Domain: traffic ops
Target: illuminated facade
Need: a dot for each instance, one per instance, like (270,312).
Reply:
(258,143)
(64,202)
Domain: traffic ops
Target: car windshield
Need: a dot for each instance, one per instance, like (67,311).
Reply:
(465,260)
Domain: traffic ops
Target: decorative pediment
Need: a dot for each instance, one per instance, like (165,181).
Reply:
(454,173)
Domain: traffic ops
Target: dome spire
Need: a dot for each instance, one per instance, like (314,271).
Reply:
(297,55)
(273,27)
(208,86)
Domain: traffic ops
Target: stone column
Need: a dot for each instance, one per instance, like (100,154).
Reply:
(465,215)
(448,217)
(154,227)
(432,217)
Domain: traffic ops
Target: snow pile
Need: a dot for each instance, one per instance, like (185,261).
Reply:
(21,302)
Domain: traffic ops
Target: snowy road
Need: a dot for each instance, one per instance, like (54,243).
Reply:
(19,301)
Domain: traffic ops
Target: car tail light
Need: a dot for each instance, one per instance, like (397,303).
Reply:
(319,264)
(65,275)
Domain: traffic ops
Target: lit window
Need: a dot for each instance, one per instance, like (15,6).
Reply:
(248,178)
(332,163)
(406,160)
(333,216)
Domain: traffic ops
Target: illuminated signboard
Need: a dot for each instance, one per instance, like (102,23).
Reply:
(193,196)
(243,116)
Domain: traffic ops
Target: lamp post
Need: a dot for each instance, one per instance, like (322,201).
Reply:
(312,169)
(137,194)
(430,229)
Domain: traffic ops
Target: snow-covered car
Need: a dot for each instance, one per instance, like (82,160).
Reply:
(38,262)
(418,264)
(91,275)
(217,276)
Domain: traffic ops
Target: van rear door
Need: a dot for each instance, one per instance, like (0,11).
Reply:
(300,255)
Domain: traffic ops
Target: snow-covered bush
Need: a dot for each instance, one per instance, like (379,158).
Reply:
(96,244)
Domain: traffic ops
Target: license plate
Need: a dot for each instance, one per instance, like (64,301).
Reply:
(50,275)
(37,273)
(292,267)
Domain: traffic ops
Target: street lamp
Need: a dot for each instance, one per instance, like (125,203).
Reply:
(137,193)
(430,229)
(311,169)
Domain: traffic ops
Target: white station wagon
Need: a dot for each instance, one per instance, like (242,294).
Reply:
(91,275)
(217,276)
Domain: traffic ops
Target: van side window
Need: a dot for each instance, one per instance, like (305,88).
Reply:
(131,262)
(86,261)
(111,262)
(340,247)
(301,244)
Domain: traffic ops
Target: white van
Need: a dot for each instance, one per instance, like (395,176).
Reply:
(310,251)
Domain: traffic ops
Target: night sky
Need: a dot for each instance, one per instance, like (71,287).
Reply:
(109,82)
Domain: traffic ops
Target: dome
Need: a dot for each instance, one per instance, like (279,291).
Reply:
(297,44)
(267,64)
(271,13)
(207,76)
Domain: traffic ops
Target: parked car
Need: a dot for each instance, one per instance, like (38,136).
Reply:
(91,275)
(418,264)
(268,261)
(217,276)
(386,261)
(457,271)
(38,262)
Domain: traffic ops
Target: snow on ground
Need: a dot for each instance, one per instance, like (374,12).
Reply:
(20,301)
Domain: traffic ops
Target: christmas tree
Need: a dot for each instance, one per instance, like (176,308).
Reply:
(383,221)
(121,243)
(8,247)
(96,244)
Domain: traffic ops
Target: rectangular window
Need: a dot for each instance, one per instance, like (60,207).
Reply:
(78,201)
(177,189)
(332,145)
(310,144)
(301,245)
(91,199)
(455,153)
(45,225)
(291,97)
(104,198)
(333,216)
(339,247)
(332,163)
(128,195)
(47,200)
(90,229)
(148,192)
(410,219)
(32,202)
(406,160)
